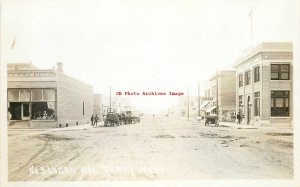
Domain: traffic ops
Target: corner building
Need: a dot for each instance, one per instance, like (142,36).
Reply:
(46,98)
(264,82)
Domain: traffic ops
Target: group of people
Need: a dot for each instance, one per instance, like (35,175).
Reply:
(94,120)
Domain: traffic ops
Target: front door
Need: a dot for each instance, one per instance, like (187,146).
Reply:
(25,111)
(15,109)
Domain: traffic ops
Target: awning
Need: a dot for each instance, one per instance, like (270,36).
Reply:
(204,104)
(210,108)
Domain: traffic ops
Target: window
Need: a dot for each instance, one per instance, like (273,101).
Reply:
(43,110)
(43,104)
(24,95)
(240,80)
(257,103)
(13,95)
(247,77)
(18,95)
(36,95)
(280,71)
(280,103)
(49,95)
(241,104)
(38,104)
(256,74)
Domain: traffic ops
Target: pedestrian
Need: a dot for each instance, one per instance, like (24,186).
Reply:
(96,119)
(92,120)
(238,117)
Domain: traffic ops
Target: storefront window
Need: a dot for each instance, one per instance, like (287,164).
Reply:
(49,95)
(13,95)
(37,95)
(43,110)
(35,104)
(24,95)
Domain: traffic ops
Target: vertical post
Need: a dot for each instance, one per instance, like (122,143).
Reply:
(217,97)
(188,104)
(198,99)
(250,14)
(109,98)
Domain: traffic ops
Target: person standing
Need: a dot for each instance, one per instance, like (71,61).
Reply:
(96,120)
(92,120)
(238,117)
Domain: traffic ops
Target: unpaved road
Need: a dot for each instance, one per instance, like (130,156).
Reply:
(155,149)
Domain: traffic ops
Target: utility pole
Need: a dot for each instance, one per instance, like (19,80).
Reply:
(251,17)
(198,99)
(109,98)
(188,104)
(217,97)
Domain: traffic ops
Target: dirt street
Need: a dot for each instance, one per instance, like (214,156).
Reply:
(155,149)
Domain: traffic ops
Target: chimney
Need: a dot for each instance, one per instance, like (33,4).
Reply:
(60,67)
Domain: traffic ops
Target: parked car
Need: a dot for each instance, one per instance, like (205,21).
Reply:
(212,120)
(111,119)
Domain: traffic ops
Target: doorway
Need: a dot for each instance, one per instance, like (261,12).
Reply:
(19,111)
(248,110)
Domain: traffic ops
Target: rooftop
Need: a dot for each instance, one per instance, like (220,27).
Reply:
(264,47)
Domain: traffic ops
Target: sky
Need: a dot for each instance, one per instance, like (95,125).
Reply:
(141,45)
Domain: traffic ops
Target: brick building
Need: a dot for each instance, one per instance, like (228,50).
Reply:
(221,88)
(264,81)
(46,98)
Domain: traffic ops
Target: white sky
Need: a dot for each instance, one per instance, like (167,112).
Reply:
(140,45)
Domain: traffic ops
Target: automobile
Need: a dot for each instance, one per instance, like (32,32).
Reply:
(213,119)
(111,119)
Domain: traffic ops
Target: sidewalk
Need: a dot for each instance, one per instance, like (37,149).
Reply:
(243,126)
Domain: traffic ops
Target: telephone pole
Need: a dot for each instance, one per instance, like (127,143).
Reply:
(109,98)
(188,104)
(199,99)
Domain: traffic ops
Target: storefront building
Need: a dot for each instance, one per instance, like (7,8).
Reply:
(264,81)
(221,88)
(46,98)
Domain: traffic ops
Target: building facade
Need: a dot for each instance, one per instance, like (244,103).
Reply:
(264,81)
(46,98)
(221,88)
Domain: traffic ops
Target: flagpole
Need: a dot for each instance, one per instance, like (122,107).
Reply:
(251,23)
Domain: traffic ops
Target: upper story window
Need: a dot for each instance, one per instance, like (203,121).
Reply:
(280,72)
(256,74)
(247,77)
(240,80)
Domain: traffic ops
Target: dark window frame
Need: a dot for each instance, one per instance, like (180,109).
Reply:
(280,71)
(247,77)
(283,111)
(257,103)
(256,73)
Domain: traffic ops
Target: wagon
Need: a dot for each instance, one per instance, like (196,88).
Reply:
(211,120)
(111,119)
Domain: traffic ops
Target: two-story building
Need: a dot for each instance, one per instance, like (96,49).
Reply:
(222,90)
(264,81)
(45,98)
